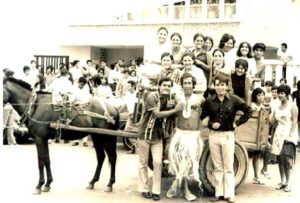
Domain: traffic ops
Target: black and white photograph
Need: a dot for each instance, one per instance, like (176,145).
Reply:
(150,101)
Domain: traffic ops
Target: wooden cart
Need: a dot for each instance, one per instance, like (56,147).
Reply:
(252,135)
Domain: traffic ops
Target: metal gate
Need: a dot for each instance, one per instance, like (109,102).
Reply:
(46,60)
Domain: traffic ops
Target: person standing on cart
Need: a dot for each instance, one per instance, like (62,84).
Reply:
(150,136)
(221,110)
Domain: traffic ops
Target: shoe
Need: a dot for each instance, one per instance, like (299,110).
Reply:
(155,197)
(215,199)
(75,144)
(85,144)
(281,186)
(287,188)
(265,174)
(146,195)
(257,181)
(66,141)
(230,200)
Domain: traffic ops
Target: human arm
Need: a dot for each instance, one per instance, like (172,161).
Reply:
(241,105)
(248,83)
(294,119)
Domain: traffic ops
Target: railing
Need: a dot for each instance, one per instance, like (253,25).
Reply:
(274,72)
(189,13)
(46,60)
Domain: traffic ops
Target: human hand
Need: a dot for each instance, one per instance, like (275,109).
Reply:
(171,103)
(216,125)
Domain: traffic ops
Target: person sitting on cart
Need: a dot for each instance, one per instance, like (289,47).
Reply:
(150,136)
(221,110)
(186,144)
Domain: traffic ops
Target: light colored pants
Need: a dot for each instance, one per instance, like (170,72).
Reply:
(143,151)
(8,121)
(221,146)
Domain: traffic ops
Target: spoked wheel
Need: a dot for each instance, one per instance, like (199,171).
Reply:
(206,167)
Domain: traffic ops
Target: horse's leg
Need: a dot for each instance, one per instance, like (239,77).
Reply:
(48,171)
(100,159)
(42,153)
(111,149)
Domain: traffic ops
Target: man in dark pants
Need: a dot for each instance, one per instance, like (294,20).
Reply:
(221,110)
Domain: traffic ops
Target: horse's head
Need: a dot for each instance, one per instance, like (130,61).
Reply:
(6,95)
(15,91)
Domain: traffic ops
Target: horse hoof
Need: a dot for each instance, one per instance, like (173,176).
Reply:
(108,189)
(90,186)
(37,192)
(46,189)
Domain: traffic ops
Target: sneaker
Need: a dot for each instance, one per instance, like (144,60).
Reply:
(257,181)
(216,199)
(281,186)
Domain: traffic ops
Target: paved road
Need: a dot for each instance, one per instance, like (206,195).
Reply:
(73,167)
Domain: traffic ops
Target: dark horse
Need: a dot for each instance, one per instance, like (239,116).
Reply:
(17,93)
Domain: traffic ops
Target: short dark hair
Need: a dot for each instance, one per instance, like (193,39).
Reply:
(274,87)
(26,68)
(284,88)
(259,46)
(75,62)
(162,28)
(50,67)
(187,75)
(131,82)
(167,54)
(87,61)
(82,79)
(243,63)
(256,92)
(165,79)
(284,45)
(269,83)
(32,61)
(191,54)
(222,78)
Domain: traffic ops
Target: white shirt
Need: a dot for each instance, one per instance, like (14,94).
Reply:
(82,96)
(76,73)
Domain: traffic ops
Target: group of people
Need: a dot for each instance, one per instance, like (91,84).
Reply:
(183,91)
(210,86)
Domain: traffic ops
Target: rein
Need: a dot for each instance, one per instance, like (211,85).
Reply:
(27,112)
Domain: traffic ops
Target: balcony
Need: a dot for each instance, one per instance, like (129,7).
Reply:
(187,12)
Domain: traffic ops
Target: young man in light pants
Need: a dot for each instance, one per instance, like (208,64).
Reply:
(150,137)
(221,110)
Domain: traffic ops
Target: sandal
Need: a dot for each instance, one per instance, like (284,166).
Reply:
(257,181)
(287,188)
(265,174)
(281,186)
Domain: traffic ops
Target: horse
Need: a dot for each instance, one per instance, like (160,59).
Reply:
(18,93)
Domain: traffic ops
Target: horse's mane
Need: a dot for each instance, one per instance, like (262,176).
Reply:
(19,82)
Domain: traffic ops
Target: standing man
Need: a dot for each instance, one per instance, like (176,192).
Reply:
(284,56)
(259,51)
(221,110)
(186,145)
(150,137)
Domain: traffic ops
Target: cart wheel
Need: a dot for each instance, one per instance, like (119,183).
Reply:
(129,143)
(241,163)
